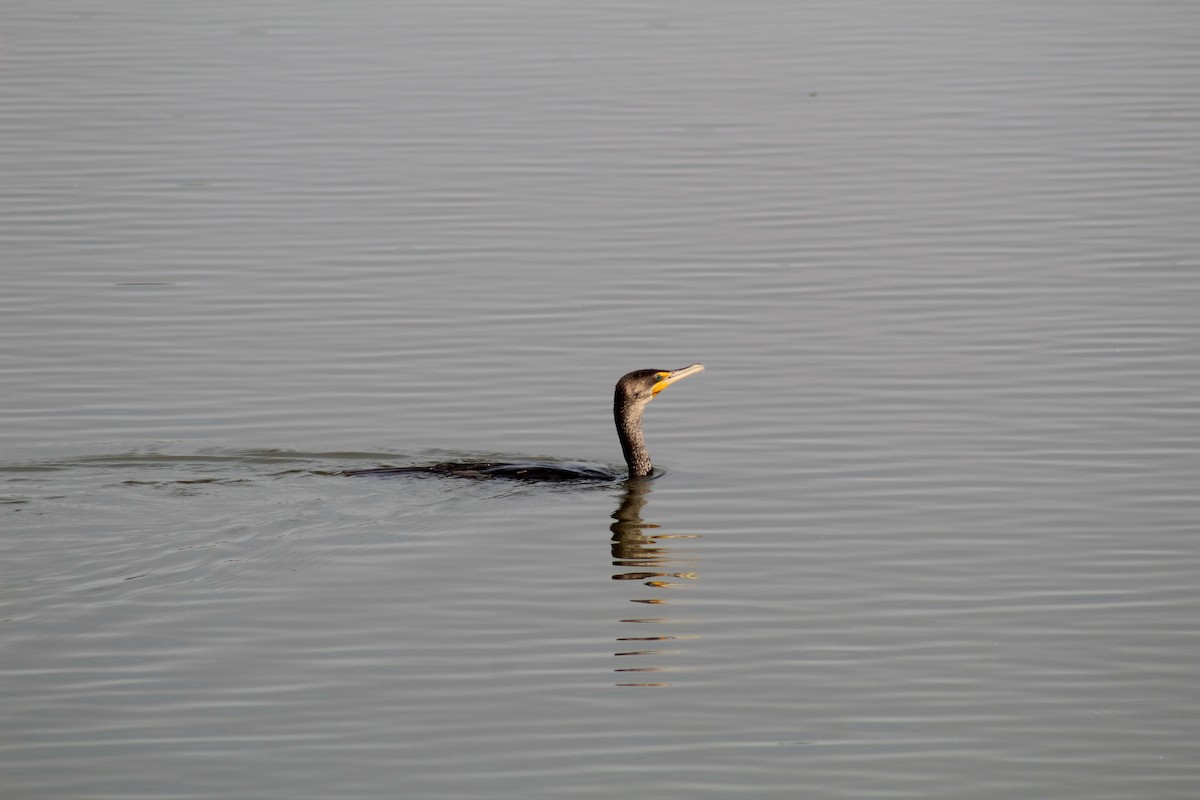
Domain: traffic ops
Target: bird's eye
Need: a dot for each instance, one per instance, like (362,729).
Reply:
(661,376)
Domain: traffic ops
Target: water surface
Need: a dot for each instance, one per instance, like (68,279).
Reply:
(927,523)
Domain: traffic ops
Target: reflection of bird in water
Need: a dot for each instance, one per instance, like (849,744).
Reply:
(641,556)
(632,394)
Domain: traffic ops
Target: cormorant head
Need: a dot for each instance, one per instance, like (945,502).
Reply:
(640,386)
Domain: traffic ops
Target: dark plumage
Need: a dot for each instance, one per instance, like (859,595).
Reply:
(633,392)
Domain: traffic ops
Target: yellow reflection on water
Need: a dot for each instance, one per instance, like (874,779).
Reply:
(647,556)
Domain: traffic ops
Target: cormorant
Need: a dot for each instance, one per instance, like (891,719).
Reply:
(633,392)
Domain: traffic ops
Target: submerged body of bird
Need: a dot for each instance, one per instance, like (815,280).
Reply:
(632,393)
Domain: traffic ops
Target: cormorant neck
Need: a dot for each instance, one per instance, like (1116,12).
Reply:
(628,416)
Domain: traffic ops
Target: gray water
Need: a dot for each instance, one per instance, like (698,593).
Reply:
(928,524)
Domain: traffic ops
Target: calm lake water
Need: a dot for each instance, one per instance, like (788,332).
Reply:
(929,523)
